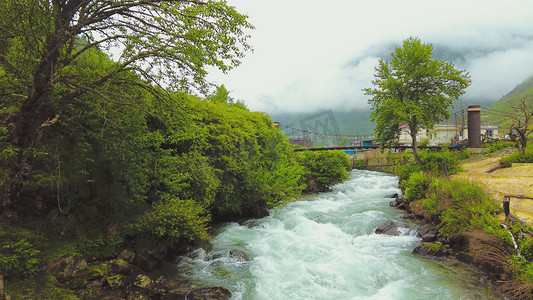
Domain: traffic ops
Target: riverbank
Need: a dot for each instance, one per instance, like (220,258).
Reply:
(465,210)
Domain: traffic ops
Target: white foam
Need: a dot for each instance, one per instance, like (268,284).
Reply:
(324,248)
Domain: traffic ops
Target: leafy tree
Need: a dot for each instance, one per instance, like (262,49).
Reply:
(42,42)
(521,126)
(414,89)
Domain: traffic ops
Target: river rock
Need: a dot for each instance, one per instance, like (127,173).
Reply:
(143,281)
(208,293)
(423,230)
(427,233)
(66,266)
(115,281)
(388,228)
(127,255)
(239,255)
(394,196)
(430,237)
(121,266)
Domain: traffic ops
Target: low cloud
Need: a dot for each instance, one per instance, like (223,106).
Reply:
(312,55)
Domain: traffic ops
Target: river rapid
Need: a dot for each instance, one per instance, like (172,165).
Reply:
(324,247)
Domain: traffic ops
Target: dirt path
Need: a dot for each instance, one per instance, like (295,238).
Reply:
(514,181)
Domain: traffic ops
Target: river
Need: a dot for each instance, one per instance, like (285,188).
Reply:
(323,247)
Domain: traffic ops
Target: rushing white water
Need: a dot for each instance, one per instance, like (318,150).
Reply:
(323,247)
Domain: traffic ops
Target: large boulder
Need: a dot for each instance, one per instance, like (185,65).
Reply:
(423,230)
(388,228)
(427,233)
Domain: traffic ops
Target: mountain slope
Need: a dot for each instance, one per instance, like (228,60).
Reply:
(501,111)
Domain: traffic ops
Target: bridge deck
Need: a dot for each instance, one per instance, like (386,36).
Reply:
(402,148)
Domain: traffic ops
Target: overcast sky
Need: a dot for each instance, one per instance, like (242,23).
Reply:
(312,55)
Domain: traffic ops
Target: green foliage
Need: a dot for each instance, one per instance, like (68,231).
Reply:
(496,146)
(360,164)
(324,168)
(406,167)
(526,247)
(434,247)
(516,157)
(431,162)
(523,269)
(424,142)
(470,207)
(437,162)
(174,220)
(415,187)
(413,89)
(19,259)
(103,246)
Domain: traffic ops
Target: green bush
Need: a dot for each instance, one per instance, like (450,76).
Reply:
(516,158)
(526,247)
(438,162)
(19,259)
(174,220)
(470,207)
(323,169)
(406,165)
(495,146)
(360,164)
(415,187)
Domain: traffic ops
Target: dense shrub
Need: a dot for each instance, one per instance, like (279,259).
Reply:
(527,157)
(174,220)
(360,164)
(517,158)
(470,208)
(406,166)
(323,169)
(441,161)
(499,145)
(415,187)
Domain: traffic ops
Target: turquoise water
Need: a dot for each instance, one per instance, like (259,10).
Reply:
(323,247)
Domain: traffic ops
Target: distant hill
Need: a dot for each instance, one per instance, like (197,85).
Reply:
(499,112)
(330,127)
(327,127)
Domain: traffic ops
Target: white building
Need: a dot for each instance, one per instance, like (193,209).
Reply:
(405,135)
(447,134)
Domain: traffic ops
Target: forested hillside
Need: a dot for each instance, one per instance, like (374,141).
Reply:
(164,162)
(500,111)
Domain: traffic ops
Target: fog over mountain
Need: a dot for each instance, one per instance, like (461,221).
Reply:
(310,56)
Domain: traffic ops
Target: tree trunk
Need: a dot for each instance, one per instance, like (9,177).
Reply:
(34,112)
(414,145)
